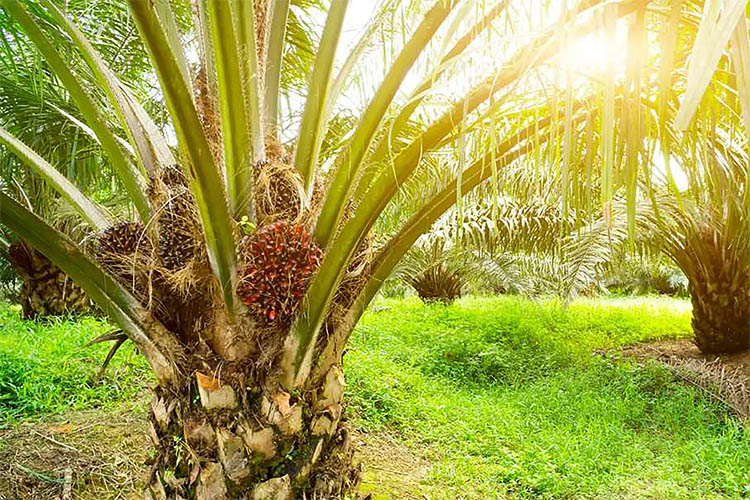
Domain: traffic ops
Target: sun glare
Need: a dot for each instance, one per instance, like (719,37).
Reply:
(591,55)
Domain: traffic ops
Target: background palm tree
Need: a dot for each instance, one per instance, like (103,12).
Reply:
(36,109)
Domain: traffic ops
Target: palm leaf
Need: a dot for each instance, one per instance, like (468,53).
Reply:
(348,163)
(314,116)
(151,147)
(117,302)
(92,112)
(88,210)
(716,28)
(201,169)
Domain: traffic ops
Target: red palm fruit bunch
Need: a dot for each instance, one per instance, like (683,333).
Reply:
(279,260)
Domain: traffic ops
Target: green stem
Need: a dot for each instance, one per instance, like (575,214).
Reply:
(348,163)
(313,118)
(234,123)
(274,60)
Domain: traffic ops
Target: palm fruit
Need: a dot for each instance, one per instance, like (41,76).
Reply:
(173,177)
(123,238)
(177,240)
(125,251)
(177,221)
(279,260)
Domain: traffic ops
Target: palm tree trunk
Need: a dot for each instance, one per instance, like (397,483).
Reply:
(236,434)
(46,290)
(721,313)
(719,286)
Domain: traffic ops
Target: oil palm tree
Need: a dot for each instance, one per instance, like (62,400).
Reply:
(503,244)
(435,269)
(247,263)
(709,244)
(705,229)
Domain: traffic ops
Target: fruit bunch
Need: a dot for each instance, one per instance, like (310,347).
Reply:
(279,261)
(123,238)
(177,230)
(178,227)
(125,251)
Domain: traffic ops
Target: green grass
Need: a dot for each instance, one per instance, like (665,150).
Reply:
(504,395)
(43,370)
(509,400)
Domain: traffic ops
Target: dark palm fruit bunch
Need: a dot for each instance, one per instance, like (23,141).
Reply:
(118,248)
(177,243)
(177,222)
(172,176)
(279,261)
(123,238)
(278,193)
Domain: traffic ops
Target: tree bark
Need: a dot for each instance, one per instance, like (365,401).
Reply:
(721,312)
(46,290)
(225,437)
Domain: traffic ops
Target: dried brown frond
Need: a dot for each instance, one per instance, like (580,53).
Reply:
(723,378)
(279,193)
(207,111)
(276,151)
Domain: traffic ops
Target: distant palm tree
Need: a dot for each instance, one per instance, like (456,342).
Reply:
(37,110)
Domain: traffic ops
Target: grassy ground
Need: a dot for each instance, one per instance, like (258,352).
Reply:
(510,401)
(44,371)
(493,398)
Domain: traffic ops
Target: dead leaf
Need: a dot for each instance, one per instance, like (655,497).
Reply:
(281,399)
(208,382)
(63,429)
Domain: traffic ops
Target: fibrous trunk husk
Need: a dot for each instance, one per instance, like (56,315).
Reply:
(721,313)
(46,290)
(719,286)
(225,439)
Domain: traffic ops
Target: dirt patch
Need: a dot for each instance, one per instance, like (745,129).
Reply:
(725,378)
(392,470)
(101,455)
